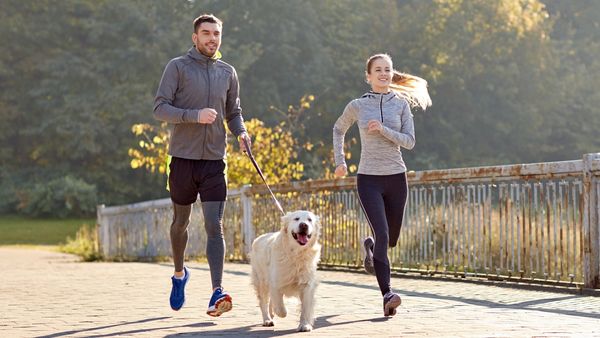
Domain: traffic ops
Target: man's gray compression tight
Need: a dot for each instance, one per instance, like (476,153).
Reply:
(215,246)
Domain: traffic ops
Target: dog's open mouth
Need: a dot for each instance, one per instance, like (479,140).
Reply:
(301,237)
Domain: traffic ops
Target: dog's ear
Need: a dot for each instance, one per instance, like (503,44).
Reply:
(317,224)
(317,219)
(285,220)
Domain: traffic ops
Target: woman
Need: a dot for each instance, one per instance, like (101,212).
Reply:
(385,123)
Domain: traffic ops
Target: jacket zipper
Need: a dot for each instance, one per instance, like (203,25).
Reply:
(208,79)
(207,104)
(381,107)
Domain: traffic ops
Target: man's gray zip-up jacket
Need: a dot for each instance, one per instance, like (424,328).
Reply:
(380,152)
(190,83)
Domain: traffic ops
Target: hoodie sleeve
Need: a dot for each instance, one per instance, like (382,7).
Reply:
(406,137)
(341,126)
(164,110)
(233,110)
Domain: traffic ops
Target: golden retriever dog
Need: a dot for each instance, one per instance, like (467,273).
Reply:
(284,263)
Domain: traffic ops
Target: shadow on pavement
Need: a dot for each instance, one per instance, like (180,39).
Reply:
(525,305)
(261,331)
(121,333)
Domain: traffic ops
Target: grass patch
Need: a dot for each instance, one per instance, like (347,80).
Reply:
(30,231)
(84,245)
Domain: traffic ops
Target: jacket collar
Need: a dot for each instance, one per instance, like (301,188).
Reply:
(196,55)
(372,95)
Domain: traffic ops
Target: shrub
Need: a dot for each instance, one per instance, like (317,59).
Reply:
(85,244)
(62,197)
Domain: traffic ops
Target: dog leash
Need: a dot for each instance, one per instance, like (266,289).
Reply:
(249,153)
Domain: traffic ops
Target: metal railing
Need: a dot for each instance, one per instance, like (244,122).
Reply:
(528,222)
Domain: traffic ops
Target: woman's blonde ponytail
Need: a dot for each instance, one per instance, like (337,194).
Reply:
(412,88)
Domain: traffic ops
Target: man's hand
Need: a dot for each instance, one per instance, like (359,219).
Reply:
(341,170)
(244,138)
(375,126)
(207,115)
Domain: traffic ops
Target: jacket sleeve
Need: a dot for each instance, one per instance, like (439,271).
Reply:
(164,110)
(406,137)
(233,110)
(341,126)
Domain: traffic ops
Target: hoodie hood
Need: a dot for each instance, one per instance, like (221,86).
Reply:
(196,55)
(372,95)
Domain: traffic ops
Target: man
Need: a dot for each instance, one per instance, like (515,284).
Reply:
(197,94)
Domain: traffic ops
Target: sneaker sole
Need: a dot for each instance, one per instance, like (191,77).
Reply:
(221,306)
(370,269)
(390,307)
(367,263)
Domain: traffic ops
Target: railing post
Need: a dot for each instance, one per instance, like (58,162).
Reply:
(247,226)
(591,227)
(103,232)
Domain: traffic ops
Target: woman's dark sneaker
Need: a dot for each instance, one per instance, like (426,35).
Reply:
(390,302)
(368,245)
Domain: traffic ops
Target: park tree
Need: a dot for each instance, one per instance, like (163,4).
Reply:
(575,37)
(274,149)
(511,81)
(487,63)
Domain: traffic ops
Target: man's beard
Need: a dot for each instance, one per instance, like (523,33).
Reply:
(205,51)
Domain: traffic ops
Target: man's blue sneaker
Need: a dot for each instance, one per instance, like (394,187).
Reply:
(220,302)
(178,291)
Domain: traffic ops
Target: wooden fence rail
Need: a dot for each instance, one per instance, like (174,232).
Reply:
(528,222)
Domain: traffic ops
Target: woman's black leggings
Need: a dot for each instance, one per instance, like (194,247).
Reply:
(383,199)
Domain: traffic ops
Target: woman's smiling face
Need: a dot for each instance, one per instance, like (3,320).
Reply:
(380,74)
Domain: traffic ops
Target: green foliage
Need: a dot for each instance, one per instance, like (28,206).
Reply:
(8,192)
(511,80)
(84,245)
(62,197)
(275,150)
(151,152)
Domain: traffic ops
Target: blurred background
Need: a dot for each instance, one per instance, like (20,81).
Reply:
(512,81)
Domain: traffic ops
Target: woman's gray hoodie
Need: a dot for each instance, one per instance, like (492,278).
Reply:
(380,152)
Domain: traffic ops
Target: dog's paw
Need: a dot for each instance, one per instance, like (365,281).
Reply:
(268,323)
(280,311)
(305,328)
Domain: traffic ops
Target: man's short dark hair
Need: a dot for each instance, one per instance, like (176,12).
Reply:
(206,18)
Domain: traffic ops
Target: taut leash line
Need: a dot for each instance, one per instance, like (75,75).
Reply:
(249,153)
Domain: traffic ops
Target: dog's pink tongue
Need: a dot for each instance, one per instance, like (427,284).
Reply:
(302,239)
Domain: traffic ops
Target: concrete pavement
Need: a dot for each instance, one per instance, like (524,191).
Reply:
(49,294)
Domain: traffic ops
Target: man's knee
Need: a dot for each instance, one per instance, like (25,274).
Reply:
(213,219)
(214,227)
(181,217)
(180,224)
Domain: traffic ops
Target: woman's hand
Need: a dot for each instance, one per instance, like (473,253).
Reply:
(341,170)
(374,126)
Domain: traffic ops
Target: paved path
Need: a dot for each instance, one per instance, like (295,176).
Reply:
(50,294)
